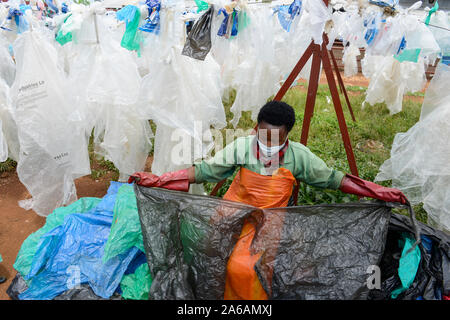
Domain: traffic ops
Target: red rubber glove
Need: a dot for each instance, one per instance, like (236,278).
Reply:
(176,180)
(354,185)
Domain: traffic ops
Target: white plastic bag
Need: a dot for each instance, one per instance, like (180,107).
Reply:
(3,106)
(7,65)
(9,127)
(107,95)
(183,97)
(350,61)
(391,79)
(53,151)
(319,14)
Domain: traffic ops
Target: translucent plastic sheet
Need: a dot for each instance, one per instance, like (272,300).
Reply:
(439,22)
(419,163)
(319,14)
(4,92)
(182,96)
(391,79)
(9,128)
(107,96)
(53,151)
(257,75)
(308,252)
(350,61)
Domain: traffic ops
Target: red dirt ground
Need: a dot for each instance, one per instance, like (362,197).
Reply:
(16,224)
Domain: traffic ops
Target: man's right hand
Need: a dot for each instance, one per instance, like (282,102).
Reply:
(145,179)
(176,180)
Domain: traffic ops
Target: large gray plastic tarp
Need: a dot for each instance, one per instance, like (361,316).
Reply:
(309,252)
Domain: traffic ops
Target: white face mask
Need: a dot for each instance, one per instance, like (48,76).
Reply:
(269,151)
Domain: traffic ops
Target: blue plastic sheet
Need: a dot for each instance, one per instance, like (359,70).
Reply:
(71,254)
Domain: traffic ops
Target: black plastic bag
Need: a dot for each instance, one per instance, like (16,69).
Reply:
(198,42)
(315,252)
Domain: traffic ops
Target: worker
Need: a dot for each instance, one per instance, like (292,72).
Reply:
(269,167)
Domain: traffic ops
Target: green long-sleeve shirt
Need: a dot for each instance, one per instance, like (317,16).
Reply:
(303,164)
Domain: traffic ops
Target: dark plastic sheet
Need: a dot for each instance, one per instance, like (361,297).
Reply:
(315,252)
(198,42)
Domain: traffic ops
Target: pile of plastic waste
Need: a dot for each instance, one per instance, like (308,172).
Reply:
(112,248)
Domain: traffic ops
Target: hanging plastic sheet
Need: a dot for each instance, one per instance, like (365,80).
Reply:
(198,42)
(308,252)
(64,35)
(107,97)
(319,14)
(391,79)
(53,149)
(30,245)
(257,73)
(7,65)
(136,286)
(385,3)
(4,89)
(419,163)
(350,61)
(432,275)
(125,229)
(183,97)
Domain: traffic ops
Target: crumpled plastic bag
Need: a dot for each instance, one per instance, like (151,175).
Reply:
(319,14)
(183,97)
(53,149)
(391,79)
(7,65)
(323,251)
(439,26)
(4,90)
(198,42)
(350,61)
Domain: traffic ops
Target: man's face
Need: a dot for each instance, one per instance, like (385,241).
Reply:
(271,135)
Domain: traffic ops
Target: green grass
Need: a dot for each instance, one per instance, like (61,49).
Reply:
(373,123)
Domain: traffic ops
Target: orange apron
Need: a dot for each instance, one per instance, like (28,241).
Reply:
(242,282)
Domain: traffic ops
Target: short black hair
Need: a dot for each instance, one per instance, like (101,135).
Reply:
(277,113)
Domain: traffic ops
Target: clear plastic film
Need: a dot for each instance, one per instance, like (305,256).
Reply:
(53,151)
(419,163)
